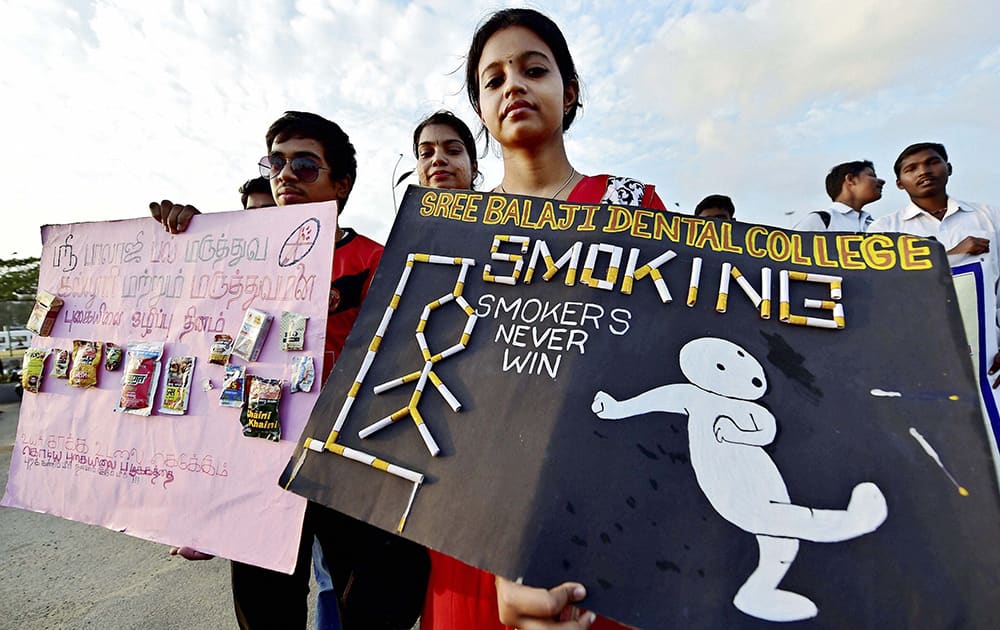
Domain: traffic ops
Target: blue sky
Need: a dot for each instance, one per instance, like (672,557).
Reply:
(115,104)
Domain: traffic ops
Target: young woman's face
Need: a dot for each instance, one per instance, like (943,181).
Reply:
(521,94)
(442,160)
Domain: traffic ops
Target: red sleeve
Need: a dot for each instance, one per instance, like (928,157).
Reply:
(461,596)
(651,200)
(373,261)
(590,189)
(354,263)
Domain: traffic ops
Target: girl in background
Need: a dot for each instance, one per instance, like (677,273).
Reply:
(445,152)
(458,595)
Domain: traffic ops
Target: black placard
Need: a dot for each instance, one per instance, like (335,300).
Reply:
(666,515)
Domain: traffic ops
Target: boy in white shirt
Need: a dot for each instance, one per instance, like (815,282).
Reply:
(851,186)
(965,229)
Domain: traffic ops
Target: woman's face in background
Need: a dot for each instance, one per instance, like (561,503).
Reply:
(442,159)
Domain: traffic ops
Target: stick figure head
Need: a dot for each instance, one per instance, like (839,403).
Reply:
(722,367)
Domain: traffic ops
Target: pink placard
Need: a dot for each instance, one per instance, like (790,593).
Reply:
(193,479)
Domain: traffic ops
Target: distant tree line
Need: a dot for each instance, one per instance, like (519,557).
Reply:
(18,285)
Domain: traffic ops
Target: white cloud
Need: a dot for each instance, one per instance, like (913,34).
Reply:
(112,105)
(767,96)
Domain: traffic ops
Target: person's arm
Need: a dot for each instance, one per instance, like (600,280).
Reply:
(529,608)
(974,246)
(652,200)
(189,553)
(373,262)
(994,214)
(994,368)
(971,245)
(174,217)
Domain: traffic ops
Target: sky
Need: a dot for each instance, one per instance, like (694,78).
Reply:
(111,105)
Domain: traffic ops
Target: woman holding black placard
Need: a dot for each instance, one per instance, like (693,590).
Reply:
(522,82)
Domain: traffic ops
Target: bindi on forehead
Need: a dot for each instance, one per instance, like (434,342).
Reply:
(510,59)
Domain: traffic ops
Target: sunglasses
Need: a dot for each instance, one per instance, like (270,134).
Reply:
(304,167)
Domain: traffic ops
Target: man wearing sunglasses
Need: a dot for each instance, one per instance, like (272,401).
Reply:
(380,579)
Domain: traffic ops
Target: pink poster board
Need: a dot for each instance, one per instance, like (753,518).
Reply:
(193,479)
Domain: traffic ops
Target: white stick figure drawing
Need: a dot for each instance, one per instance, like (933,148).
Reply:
(726,431)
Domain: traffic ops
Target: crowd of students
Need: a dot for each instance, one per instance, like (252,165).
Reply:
(523,85)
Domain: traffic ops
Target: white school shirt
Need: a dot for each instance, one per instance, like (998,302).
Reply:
(843,218)
(962,219)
